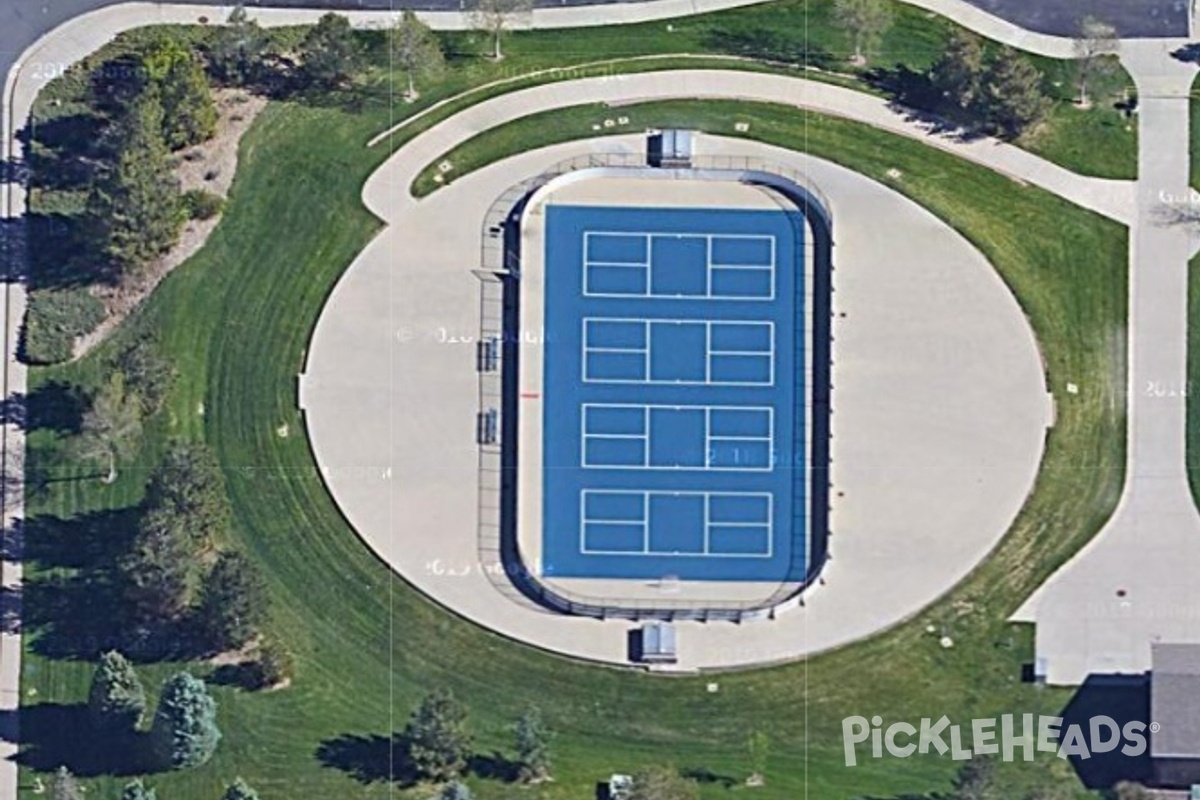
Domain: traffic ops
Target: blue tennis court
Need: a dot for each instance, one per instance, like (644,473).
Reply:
(673,394)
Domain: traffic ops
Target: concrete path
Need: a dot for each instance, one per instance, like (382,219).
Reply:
(1135,583)
(390,395)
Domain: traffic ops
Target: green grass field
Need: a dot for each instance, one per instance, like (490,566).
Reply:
(236,319)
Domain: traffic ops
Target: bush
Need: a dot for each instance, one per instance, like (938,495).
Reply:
(273,667)
(52,321)
(200,204)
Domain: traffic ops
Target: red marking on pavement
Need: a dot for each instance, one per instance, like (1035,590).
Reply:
(530,395)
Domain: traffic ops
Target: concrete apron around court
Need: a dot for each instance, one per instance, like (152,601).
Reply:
(931,343)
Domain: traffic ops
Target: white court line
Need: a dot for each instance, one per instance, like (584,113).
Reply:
(647,494)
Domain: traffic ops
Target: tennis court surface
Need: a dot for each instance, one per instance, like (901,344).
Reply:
(674,421)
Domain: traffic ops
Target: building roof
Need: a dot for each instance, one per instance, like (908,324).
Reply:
(1175,700)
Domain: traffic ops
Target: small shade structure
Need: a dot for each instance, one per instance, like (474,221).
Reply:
(669,149)
(655,644)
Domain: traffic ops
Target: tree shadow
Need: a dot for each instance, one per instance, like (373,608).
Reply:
(707,776)
(62,252)
(14,247)
(1123,698)
(769,45)
(1188,54)
(13,410)
(52,735)
(494,766)
(55,406)
(369,759)
(244,675)
(75,602)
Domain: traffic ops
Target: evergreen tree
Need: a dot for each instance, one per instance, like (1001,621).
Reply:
(159,572)
(662,783)
(64,786)
(455,790)
(415,49)
(437,737)
(189,113)
(975,780)
(330,54)
(532,745)
(233,602)
(112,427)
(866,21)
(185,732)
(237,49)
(959,73)
(116,701)
(136,790)
(239,790)
(135,207)
(189,485)
(1015,99)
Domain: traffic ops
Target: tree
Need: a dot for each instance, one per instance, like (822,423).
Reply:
(134,208)
(330,54)
(147,373)
(493,17)
(189,113)
(662,783)
(190,486)
(1128,790)
(1095,45)
(865,20)
(758,747)
(136,790)
(1015,99)
(185,732)
(116,701)
(239,790)
(237,49)
(437,737)
(975,780)
(455,790)
(159,572)
(112,427)
(233,602)
(532,745)
(959,73)
(274,665)
(415,49)
(64,786)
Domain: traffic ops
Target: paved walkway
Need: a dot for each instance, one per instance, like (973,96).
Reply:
(393,346)
(1135,583)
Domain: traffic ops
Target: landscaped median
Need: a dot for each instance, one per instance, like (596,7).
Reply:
(235,321)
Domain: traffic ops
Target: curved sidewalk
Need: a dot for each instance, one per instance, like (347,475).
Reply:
(414,275)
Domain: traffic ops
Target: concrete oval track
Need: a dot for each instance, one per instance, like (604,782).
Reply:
(939,408)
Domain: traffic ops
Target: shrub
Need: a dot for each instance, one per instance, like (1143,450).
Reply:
(200,204)
(274,665)
(52,321)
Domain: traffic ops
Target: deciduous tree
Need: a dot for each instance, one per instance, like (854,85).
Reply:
(233,602)
(494,17)
(415,49)
(1095,48)
(190,486)
(112,427)
(866,21)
